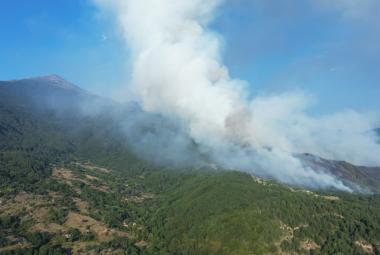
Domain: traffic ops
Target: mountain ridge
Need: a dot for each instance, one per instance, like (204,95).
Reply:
(49,80)
(54,92)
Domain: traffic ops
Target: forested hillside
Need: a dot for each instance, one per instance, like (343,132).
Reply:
(70,184)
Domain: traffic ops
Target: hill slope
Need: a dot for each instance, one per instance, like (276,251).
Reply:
(70,183)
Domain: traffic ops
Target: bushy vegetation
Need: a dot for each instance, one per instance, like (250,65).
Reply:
(230,213)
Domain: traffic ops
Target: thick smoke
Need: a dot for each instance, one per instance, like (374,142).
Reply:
(178,72)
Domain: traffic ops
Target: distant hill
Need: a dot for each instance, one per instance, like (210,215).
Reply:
(358,178)
(48,114)
(40,91)
(46,82)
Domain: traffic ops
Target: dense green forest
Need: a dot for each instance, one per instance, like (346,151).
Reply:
(69,184)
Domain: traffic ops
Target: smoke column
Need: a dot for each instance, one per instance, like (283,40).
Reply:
(178,72)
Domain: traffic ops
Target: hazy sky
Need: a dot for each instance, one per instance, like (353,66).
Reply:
(328,48)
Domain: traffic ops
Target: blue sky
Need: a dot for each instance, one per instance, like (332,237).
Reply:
(330,49)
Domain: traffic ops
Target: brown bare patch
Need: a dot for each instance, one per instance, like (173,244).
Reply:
(141,244)
(309,245)
(140,198)
(288,235)
(64,174)
(68,177)
(83,206)
(340,216)
(23,203)
(54,194)
(288,232)
(15,247)
(85,223)
(40,214)
(331,198)
(90,166)
(260,181)
(365,246)
(311,193)
(90,177)
(80,247)
(47,227)
(22,197)
(101,188)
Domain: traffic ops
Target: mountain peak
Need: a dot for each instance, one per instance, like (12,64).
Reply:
(52,80)
(57,81)
(51,77)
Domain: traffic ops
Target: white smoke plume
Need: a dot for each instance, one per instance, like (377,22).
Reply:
(178,72)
